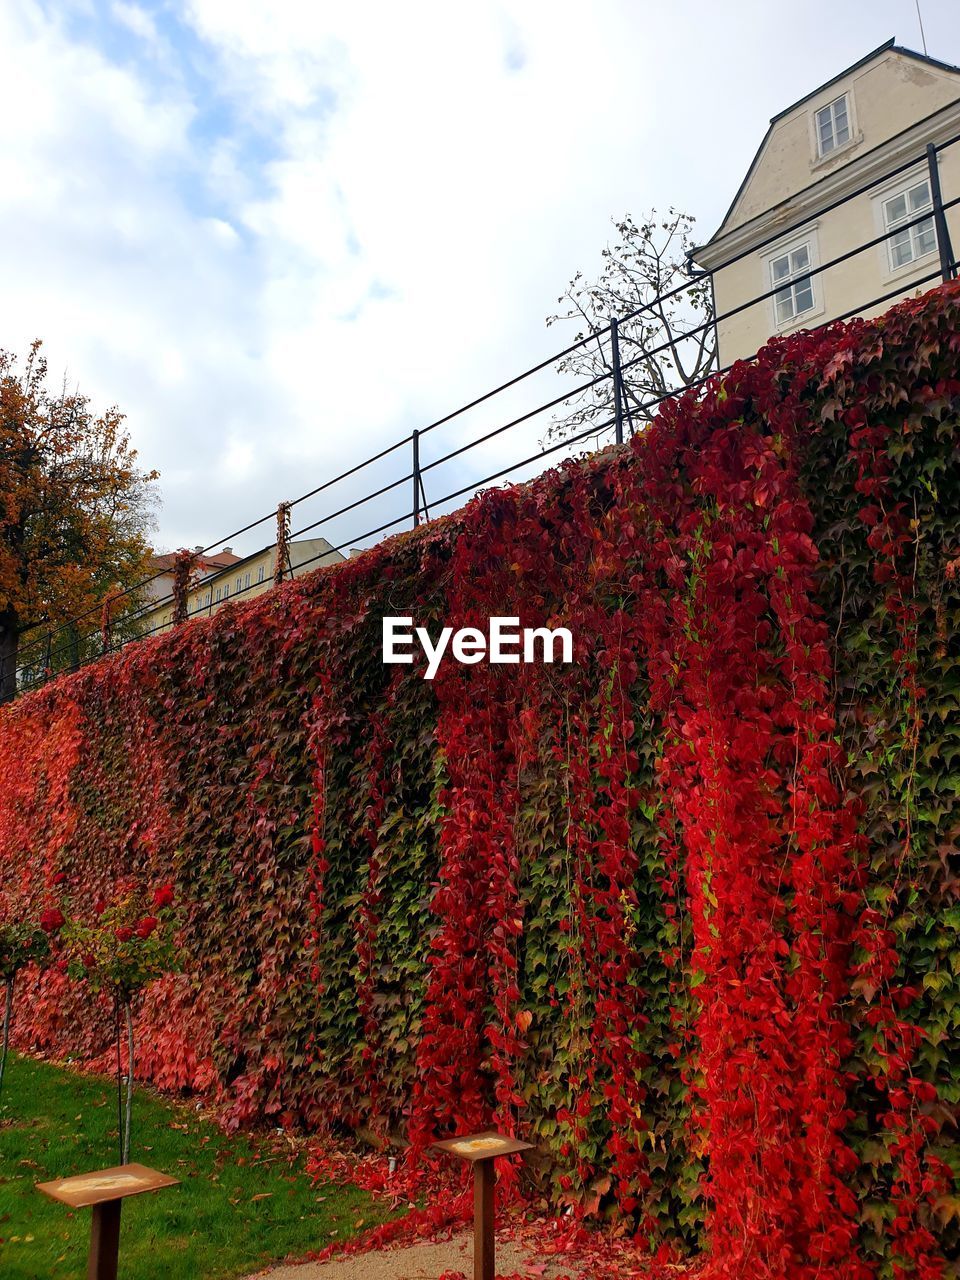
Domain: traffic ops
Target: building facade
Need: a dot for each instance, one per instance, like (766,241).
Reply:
(797,208)
(225,576)
(163,565)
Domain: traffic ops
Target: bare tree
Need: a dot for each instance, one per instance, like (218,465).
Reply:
(667,332)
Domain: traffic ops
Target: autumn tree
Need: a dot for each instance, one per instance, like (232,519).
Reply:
(668,340)
(74,511)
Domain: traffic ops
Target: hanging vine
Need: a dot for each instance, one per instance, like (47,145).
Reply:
(683,912)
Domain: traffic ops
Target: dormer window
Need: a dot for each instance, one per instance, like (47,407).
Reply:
(833,126)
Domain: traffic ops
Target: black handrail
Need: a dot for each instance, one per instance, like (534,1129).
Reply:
(615,372)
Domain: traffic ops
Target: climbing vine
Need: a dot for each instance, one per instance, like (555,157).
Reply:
(683,912)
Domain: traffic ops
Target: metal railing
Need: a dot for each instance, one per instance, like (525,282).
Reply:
(70,644)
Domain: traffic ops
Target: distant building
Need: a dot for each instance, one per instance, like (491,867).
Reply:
(225,576)
(162,566)
(866,122)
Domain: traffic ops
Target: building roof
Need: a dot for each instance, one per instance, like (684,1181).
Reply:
(221,559)
(862,62)
(165,562)
(889,46)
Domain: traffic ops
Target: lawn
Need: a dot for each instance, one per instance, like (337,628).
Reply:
(242,1202)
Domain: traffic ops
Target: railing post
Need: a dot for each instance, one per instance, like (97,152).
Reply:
(282,547)
(617,379)
(106,623)
(939,217)
(182,572)
(416,477)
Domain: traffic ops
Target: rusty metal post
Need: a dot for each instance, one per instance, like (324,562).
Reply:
(484,1244)
(283,543)
(106,623)
(103,1259)
(482,1150)
(183,567)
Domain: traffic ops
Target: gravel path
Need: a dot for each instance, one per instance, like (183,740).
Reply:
(416,1262)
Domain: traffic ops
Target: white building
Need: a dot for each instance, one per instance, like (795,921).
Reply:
(224,576)
(872,121)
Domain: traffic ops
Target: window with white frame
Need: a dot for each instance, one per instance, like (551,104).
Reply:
(791,270)
(219,594)
(909,243)
(246,581)
(260,574)
(833,125)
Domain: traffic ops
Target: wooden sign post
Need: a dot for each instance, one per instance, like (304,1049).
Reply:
(105,1191)
(482,1149)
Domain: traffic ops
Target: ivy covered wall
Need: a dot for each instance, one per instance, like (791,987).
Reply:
(684,913)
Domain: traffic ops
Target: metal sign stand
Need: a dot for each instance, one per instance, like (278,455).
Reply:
(482,1149)
(105,1191)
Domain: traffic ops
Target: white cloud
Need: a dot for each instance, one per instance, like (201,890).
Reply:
(281,235)
(136,20)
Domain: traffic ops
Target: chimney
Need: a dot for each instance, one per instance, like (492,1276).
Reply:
(228,551)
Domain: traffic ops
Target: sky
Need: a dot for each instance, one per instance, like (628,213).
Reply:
(280,235)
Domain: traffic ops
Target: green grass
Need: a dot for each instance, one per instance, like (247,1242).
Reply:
(242,1202)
